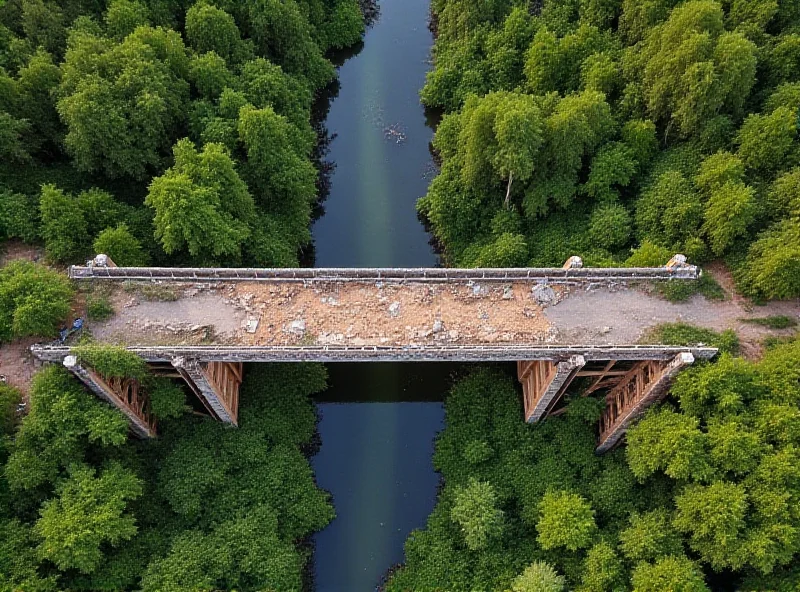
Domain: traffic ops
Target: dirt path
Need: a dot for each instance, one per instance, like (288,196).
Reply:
(624,316)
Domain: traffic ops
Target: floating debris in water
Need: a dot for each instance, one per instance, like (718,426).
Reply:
(394,133)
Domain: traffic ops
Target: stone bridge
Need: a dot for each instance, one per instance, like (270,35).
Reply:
(559,325)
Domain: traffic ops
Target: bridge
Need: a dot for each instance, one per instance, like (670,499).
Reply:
(558,324)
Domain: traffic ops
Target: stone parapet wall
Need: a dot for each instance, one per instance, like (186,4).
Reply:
(457,353)
(394,275)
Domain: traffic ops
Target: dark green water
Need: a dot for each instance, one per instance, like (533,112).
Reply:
(378,421)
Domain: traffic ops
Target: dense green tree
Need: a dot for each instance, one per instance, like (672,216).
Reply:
(124,16)
(649,537)
(765,140)
(730,210)
(119,244)
(211,29)
(210,75)
(276,163)
(33,300)
(604,570)
(538,577)
(87,512)
(566,520)
(668,573)
(122,102)
(772,269)
(64,227)
(476,513)
(610,226)
(19,217)
(201,204)
(62,422)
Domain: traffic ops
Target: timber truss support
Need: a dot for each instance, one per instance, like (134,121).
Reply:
(646,383)
(123,393)
(215,383)
(543,383)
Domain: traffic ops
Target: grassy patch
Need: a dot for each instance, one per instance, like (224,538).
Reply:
(151,292)
(683,334)
(679,291)
(773,321)
(98,307)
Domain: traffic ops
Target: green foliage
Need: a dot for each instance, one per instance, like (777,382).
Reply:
(64,228)
(610,226)
(166,399)
(88,512)
(675,573)
(121,102)
(684,334)
(201,204)
(18,217)
(604,570)
(98,307)
(649,537)
(111,361)
(123,248)
(773,321)
(538,577)
(729,212)
(33,300)
(9,399)
(63,422)
(772,267)
(211,29)
(566,520)
(124,16)
(475,511)
(765,140)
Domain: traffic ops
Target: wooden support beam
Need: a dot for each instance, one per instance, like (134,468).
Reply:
(647,383)
(124,394)
(216,383)
(543,383)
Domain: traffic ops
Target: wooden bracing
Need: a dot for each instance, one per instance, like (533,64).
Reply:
(543,383)
(125,394)
(646,383)
(216,384)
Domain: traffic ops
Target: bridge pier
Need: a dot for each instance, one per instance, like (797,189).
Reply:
(645,384)
(215,383)
(123,393)
(543,383)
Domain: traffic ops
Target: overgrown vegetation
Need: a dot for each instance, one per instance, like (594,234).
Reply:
(585,127)
(773,322)
(708,483)
(164,132)
(34,300)
(204,507)
(684,334)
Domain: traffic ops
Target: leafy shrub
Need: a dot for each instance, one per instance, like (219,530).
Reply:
(9,399)
(566,520)
(98,307)
(683,334)
(167,399)
(33,300)
(111,361)
(123,248)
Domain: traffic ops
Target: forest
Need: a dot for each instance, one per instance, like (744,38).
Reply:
(173,133)
(598,126)
(164,132)
(158,132)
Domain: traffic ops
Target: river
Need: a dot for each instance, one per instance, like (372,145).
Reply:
(377,421)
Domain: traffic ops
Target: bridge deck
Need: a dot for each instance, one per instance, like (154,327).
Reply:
(352,314)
